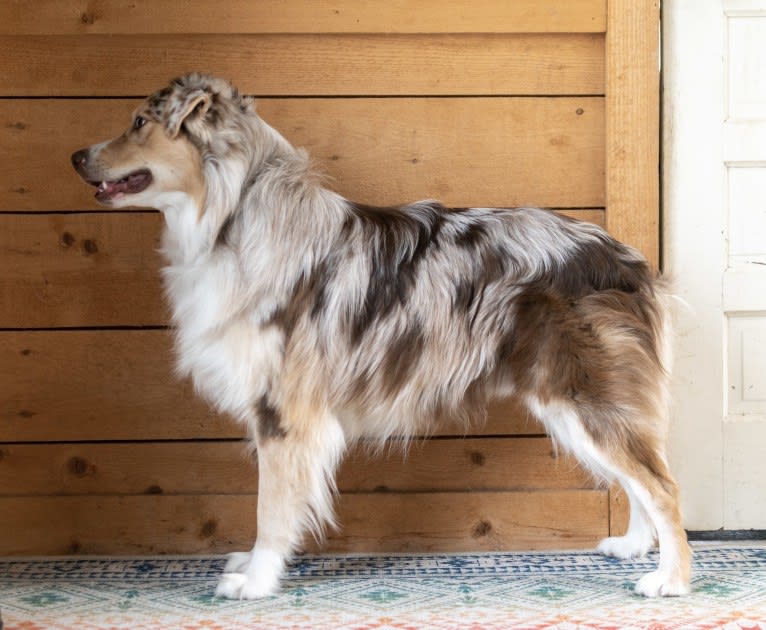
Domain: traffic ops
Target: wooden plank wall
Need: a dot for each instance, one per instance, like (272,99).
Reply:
(475,102)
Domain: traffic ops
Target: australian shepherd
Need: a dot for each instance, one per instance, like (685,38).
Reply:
(317,321)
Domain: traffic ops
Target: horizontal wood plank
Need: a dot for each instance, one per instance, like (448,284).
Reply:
(378,522)
(619,511)
(82,270)
(491,152)
(119,385)
(51,17)
(306,65)
(214,467)
(98,385)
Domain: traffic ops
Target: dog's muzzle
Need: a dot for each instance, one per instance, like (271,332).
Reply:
(108,190)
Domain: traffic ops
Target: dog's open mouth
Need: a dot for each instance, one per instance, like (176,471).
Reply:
(131,184)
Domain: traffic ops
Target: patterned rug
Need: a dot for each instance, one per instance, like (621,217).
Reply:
(487,591)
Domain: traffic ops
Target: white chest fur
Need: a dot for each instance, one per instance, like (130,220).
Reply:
(231,358)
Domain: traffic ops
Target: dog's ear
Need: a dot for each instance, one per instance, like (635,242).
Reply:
(193,107)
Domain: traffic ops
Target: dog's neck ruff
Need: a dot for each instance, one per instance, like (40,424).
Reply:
(187,229)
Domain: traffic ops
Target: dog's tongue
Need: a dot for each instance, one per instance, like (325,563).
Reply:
(133,183)
(109,190)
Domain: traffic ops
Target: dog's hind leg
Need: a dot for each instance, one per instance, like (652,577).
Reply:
(296,489)
(642,470)
(657,493)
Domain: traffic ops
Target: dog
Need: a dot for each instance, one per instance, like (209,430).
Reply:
(318,322)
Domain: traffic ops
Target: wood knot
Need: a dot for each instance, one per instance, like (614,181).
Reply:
(482,528)
(26,413)
(17,125)
(155,489)
(67,239)
(90,247)
(208,528)
(75,547)
(87,18)
(478,458)
(78,466)
(580,111)
(25,352)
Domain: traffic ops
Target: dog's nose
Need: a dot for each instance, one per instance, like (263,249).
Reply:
(79,158)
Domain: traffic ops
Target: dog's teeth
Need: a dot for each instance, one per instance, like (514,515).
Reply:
(102,186)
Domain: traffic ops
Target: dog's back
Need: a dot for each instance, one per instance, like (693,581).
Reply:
(421,313)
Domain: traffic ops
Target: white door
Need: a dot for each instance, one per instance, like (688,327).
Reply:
(714,194)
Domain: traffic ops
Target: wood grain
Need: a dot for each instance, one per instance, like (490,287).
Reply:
(211,467)
(378,522)
(308,65)
(119,385)
(80,270)
(632,124)
(491,152)
(74,17)
(98,385)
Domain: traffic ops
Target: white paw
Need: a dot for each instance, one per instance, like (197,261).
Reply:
(237,562)
(251,575)
(243,586)
(624,547)
(661,584)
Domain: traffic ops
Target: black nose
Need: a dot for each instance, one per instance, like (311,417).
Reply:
(79,158)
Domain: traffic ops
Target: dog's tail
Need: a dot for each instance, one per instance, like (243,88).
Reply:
(668,304)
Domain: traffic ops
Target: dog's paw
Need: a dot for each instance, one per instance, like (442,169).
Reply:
(624,547)
(237,562)
(251,575)
(661,584)
(244,586)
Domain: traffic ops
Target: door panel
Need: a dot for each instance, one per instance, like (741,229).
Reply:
(715,249)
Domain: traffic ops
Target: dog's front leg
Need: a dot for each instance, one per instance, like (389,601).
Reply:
(296,468)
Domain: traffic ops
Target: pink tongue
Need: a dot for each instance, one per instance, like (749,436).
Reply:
(112,190)
(116,187)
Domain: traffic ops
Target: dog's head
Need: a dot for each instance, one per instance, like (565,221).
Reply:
(161,153)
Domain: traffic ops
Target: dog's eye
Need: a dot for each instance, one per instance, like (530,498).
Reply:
(139,122)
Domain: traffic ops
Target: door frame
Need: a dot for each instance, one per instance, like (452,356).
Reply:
(632,146)
(694,250)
